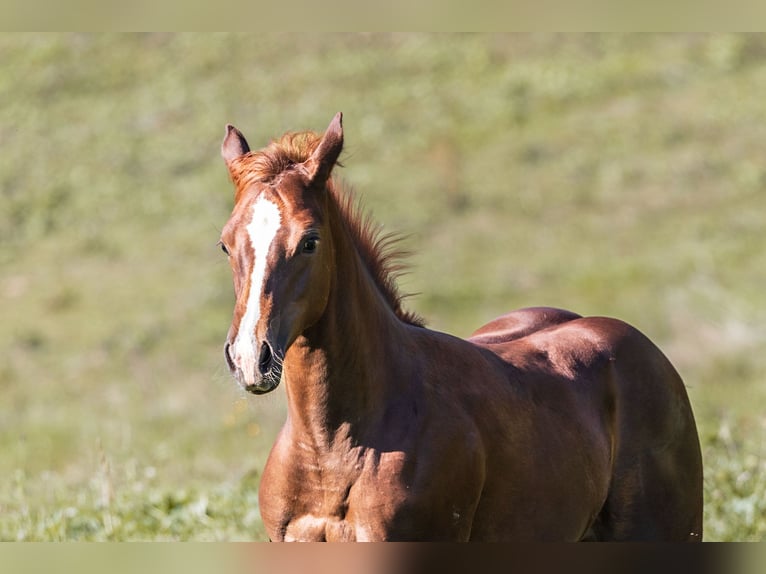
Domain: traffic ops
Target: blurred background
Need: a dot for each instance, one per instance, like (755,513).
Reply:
(607,174)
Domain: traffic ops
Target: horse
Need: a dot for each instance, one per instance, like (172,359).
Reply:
(543,425)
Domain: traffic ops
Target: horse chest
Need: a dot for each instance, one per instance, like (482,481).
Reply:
(367,514)
(336,499)
(327,513)
(309,527)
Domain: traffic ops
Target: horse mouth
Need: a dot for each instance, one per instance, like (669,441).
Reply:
(264,386)
(256,390)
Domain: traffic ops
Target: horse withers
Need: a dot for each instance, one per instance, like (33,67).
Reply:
(544,425)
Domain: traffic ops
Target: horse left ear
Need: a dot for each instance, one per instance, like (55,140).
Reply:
(321,162)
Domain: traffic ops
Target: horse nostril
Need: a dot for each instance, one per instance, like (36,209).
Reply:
(227,355)
(265,359)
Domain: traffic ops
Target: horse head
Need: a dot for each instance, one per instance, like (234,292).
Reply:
(279,245)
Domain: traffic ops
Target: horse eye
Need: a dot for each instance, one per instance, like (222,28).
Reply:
(309,245)
(224,248)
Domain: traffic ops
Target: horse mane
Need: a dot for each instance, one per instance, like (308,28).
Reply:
(380,252)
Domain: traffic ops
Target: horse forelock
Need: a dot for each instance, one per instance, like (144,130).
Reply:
(279,156)
(379,251)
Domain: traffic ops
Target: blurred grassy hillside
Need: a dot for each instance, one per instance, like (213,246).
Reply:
(611,175)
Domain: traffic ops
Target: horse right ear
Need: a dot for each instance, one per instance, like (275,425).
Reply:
(234,144)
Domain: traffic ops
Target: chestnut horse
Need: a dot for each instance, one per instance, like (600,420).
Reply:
(544,425)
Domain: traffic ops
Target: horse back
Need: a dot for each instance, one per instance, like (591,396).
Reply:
(520,323)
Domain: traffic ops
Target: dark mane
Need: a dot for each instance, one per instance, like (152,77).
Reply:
(379,251)
(280,155)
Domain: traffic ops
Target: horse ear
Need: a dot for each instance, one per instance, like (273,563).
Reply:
(323,159)
(234,144)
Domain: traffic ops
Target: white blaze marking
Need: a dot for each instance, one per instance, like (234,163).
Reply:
(262,229)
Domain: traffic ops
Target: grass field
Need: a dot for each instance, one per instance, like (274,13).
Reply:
(611,175)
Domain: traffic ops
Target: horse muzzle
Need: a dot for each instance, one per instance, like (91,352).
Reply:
(265,375)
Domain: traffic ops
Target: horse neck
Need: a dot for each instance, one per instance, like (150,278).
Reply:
(341,372)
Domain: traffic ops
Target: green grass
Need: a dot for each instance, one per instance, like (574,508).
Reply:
(612,175)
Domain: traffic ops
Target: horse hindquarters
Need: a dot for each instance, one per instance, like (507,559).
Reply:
(656,485)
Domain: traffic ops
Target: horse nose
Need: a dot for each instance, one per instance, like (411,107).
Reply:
(265,359)
(227,355)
